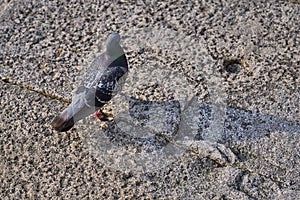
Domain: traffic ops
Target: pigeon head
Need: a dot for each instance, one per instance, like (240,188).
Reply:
(113,47)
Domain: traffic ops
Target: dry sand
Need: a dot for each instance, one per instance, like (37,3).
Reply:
(233,67)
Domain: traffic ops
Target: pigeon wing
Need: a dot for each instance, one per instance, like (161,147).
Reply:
(92,74)
(110,83)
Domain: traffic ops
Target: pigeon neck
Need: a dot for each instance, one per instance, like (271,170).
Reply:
(121,61)
(114,51)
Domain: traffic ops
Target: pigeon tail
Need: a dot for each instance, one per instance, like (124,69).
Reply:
(63,123)
(72,114)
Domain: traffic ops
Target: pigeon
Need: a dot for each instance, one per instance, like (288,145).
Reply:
(103,80)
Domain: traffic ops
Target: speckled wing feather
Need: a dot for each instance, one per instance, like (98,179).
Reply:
(92,74)
(110,83)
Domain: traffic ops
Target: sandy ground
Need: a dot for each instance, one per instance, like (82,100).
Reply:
(239,60)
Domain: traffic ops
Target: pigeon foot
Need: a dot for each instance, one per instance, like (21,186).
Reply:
(100,115)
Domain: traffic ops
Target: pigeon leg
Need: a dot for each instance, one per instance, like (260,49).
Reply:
(100,115)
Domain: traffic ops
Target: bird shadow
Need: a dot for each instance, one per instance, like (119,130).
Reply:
(155,124)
